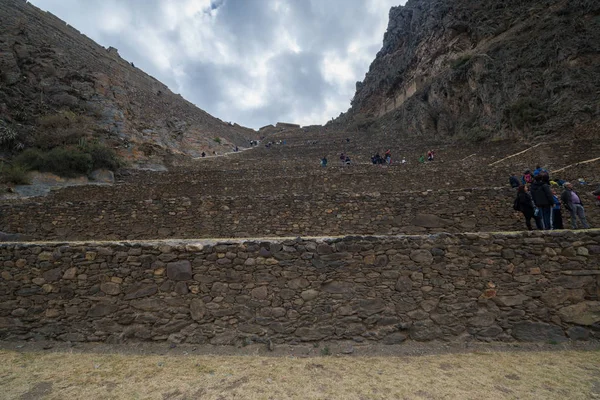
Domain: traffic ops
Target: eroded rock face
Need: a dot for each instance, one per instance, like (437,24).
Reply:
(442,62)
(68,71)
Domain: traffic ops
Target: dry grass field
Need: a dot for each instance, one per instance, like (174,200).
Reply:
(561,374)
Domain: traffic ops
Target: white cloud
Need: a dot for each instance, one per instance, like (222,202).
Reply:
(254,62)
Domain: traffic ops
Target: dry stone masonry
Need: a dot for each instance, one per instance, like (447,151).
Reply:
(502,287)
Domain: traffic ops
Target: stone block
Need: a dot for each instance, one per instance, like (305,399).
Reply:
(538,332)
(585,313)
(179,270)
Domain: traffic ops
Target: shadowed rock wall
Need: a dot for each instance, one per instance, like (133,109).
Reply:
(530,287)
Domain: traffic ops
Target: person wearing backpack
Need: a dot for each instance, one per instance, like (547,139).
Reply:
(542,198)
(524,203)
(514,182)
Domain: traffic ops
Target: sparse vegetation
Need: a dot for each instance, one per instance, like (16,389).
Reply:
(102,156)
(217,139)
(525,113)
(9,137)
(69,161)
(483,375)
(61,129)
(15,174)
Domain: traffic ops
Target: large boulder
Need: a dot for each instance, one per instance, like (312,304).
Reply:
(585,313)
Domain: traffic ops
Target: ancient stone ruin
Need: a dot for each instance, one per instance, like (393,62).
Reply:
(267,246)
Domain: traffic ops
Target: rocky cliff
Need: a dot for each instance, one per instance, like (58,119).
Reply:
(51,72)
(484,69)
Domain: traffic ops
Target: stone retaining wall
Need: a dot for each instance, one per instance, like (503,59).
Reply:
(488,210)
(538,287)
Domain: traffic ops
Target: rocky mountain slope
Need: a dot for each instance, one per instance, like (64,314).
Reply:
(56,83)
(483,70)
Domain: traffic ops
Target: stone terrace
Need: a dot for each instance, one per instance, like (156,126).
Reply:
(376,284)
(282,191)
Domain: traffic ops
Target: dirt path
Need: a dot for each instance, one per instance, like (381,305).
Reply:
(412,371)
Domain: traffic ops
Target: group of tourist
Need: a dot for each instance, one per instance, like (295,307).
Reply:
(537,199)
(386,159)
(430,157)
(377,159)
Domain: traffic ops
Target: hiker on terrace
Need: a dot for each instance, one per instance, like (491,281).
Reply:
(557,222)
(573,203)
(376,159)
(524,203)
(538,170)
(324,162)
(514,182)
(342,158)
(203,154)
(347,160)
(527,177)
(430,155)
(542,197)
(422,159)
(388,157)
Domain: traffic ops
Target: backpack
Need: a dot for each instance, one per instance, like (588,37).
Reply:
(517,205)
(528,178)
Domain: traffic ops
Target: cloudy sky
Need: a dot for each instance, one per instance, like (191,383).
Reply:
(254,62)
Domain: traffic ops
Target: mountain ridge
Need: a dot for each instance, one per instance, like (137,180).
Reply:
(49,68)
(493,69)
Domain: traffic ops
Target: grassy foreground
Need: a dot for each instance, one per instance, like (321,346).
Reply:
(483,375)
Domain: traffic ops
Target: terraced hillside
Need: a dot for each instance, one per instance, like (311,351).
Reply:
(282,191)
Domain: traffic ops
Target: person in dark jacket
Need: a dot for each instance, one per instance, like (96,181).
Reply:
(526,206)
(542,197)
(514,181)
(573,203)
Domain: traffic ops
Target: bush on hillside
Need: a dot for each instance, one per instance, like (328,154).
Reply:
(71,160)
(30,159)
(61,129)
(102,156)
(15,174)
(67,162)
(217,139)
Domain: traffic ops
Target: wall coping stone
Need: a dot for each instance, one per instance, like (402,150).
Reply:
(276,239)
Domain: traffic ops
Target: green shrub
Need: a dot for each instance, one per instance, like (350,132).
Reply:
(30,159)
(15,174)
(67,162)
(70,161)
(63,161)
(102,156)
(217,139)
